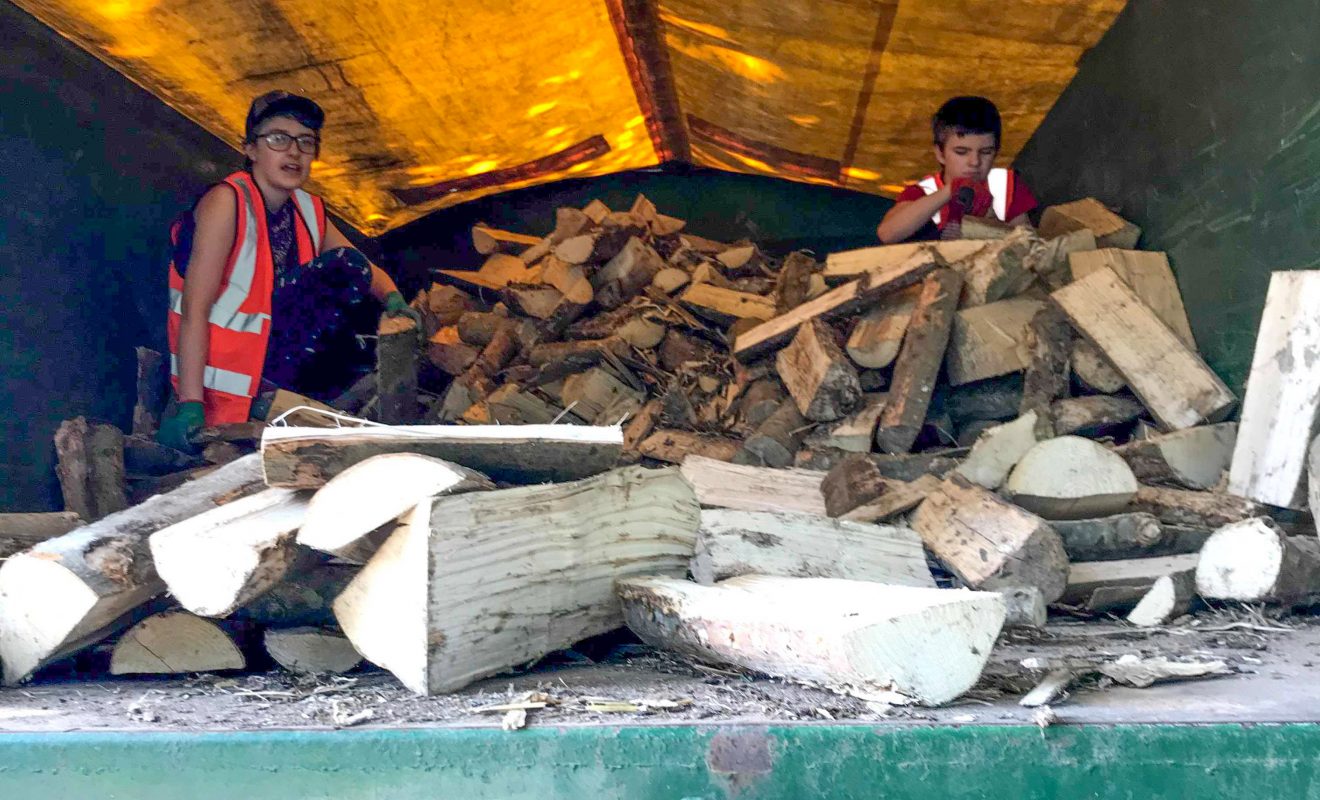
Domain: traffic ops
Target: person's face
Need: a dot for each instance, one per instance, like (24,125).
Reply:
(967,155)
(286,168)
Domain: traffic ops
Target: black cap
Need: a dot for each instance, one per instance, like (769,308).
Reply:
(280,103)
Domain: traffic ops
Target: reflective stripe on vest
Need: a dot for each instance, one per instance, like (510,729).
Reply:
(220,380)
(999,192)
(237,321)
(307,208)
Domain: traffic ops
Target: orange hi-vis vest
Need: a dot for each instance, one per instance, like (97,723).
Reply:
(1000,181)
(239,320)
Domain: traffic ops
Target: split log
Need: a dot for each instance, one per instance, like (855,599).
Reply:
(984,228)
(675,447)
(1046,376)
(1102,586)
(153,391)
(446,304)
(794,281)
(19,531)
(575,356)
(304,597)
(498,353)
(1282,406)
(928,645)
(465,391)
(596,211)
(1093,415)
(855,432)
(708,273)
(1253,561)
(851,263)
(1110,229)
(670,280)
(600,398)
(846,299)
(449,353)
(298,410)
(989,543)
(761,399)
(743,260)
(994,398)
(477,328)
(90,465)
(497,271)
(311,651)
(856,481)
(463,590)
(1205,510)
(875,339)
(1172,381)
(1149,276)
(1071,478)
(732,543)
(487,240)
(819,377)
(220,559)
(172,643)
(1169,597)
(1024,607)
(999,269)
(1195,458)
(143,456)
(906,467)
(641,424)
(990,340)
(679,350)
(70,591)
(897,497)
(345,516)
(918,364)
(744,488)
(1053,266)
(775,442)
(626,274)
(998,450)
(538,300)
(511,405)
(1128,535)
(299,458)
(641,333)
(1094,372)
(725,306)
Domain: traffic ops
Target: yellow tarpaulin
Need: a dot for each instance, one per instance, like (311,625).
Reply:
(430,104)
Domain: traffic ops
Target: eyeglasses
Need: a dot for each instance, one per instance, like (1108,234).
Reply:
(280,141)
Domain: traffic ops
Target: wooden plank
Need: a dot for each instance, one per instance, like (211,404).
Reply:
(1282,405)
(1101,586)
(919,361)
(1172,381)
(1150,278)
(928,645)
(846,299)
(990,340)
(306,458)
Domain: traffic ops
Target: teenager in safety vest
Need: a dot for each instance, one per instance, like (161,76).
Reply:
(259,275)
(967,131)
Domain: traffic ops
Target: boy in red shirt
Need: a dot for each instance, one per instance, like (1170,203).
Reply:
(967,133)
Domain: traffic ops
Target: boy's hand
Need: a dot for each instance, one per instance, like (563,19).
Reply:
(969,197)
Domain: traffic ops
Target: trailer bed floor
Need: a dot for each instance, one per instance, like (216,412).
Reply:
(1272,681)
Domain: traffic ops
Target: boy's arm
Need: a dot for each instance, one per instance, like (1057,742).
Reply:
(907,217)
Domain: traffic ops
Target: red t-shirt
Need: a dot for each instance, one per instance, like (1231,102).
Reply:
(1021,201)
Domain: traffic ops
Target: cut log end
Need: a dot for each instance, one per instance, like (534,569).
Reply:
(172,643)
(311,651)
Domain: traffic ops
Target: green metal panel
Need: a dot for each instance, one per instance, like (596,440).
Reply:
(677,763)
(1201,123)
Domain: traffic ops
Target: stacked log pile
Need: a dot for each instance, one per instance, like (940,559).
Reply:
(623,422)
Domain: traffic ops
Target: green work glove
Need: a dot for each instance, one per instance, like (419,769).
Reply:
(396,306)
(181,422)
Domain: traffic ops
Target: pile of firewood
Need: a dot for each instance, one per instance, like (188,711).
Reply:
(1025,410)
